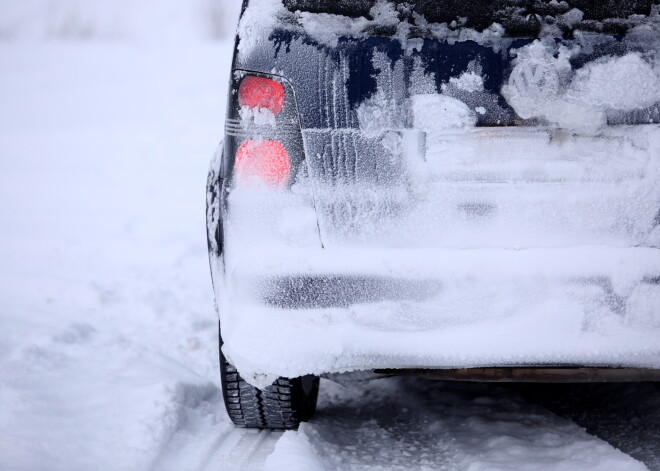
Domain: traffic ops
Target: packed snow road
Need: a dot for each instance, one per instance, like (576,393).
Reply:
(407,423)
(108,347)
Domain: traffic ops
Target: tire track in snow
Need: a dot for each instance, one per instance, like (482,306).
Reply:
(413,424)
(246,451)
(407,424)
(626,415)
(210,449)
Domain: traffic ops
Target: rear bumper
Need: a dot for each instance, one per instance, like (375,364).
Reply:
(295,312)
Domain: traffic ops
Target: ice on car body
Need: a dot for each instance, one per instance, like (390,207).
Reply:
(422,232)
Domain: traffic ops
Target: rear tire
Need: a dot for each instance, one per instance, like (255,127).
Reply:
(283,405)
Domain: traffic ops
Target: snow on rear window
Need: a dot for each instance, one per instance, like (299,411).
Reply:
(518,17)
(326,21)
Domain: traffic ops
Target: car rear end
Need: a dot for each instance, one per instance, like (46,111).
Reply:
(414,186)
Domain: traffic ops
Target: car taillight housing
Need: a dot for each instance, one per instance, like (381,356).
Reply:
(264,162)
(259,93)
(262,149)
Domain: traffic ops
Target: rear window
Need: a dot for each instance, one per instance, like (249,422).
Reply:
(517,17)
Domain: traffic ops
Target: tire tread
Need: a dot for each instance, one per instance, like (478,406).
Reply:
(279,406)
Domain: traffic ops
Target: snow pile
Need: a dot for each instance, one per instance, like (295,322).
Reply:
(82,400)
(294,452)
(328,28)
(468,81)
(621,83)
(258,20)
(143,20)
(437,112)
(543,84)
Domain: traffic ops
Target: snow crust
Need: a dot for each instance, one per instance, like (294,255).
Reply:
(437,112)
(446,245)
(258,20)
(461,309)
(438,244)
(544,86)
(262,16)
(257,117)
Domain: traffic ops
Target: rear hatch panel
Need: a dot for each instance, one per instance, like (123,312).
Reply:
(481,201)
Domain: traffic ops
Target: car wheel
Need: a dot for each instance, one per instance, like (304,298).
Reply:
(282,405)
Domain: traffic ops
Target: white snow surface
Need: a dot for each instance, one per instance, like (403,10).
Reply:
(262,16)
(453,428)
(108,339)
(436,112)
(544,86)
(108,347)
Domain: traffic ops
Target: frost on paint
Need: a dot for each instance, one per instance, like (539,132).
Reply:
(465,200)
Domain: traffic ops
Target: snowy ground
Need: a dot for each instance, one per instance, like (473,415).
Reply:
(108,335)
(108,324)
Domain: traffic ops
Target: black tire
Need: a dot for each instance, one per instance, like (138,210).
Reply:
(283,405)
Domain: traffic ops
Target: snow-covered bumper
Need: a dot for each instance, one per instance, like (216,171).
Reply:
(485,248)
(318,311)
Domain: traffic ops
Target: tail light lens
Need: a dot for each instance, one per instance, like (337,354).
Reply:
(266,151)
(264,162)
(261,93)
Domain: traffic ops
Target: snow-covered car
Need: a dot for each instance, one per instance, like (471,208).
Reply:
(462,190)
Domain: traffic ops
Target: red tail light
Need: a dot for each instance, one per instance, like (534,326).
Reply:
(265,161)
(260,93)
